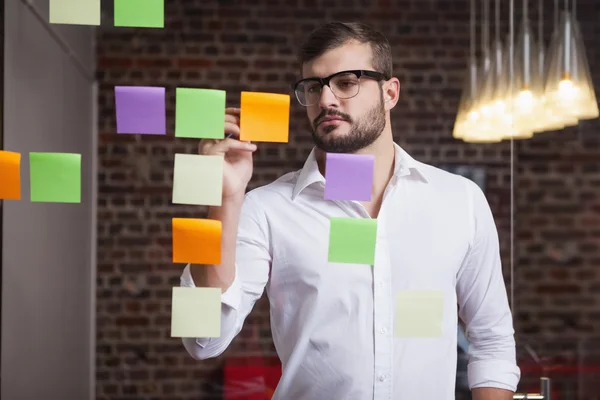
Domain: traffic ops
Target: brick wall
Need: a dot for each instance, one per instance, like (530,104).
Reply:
(248,45)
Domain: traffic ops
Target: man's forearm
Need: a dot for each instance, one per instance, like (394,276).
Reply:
(492,394)
(221,275)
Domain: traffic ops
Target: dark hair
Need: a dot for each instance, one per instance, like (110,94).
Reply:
(335,34)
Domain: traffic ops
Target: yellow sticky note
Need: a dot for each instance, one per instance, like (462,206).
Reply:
(419,313)
(10,175)
(196,312)
(264,117)
(196,241)
(75,12)
(198,179)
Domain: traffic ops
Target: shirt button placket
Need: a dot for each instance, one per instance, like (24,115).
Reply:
(382,319)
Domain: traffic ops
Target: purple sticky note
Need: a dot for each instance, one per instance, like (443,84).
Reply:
(141,109)
(349,176)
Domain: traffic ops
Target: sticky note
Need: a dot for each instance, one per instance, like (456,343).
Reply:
(76,12)
(200,113)
(196,312)
(141,109)
(196,241)
(55,177)
(140,13)
(349,176)
(10,175)
(419,313)
(198,179)
(264,117)
(352,240)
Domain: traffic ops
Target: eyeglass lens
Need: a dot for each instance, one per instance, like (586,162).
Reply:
(343,86)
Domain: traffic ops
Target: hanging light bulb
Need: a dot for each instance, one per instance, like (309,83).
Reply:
(482,112)
(504,103)
(526,86)
(492,105)
(569,90)
(550,121)
(582,75)
(467,117)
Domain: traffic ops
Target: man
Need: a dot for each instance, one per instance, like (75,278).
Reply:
(333,324)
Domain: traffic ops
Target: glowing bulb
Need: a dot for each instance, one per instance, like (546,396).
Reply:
(499,107)
(525,100)
(566,89)
(486,110)
(473,115)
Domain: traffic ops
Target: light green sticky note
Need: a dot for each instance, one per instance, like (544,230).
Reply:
(200,113)
(140,13)
(55,177)
(76,12)
(198,179)
(196,312)
(352,240)
(419,313)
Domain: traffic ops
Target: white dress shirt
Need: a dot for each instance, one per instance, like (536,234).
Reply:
(333,323)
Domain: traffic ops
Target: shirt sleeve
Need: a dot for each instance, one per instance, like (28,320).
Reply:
(253,263)
(483,303)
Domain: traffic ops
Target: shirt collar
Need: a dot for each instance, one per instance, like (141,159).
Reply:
(405,165)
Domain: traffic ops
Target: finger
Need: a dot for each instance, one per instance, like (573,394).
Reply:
(226,145)
(233,119)
(232,129)
(205,145)
(233,110)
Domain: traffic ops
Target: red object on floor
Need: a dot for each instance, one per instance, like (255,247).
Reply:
(251,378)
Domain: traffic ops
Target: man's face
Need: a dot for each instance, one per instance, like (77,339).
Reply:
(360,119)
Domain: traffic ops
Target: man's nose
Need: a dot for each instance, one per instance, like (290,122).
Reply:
(328,99)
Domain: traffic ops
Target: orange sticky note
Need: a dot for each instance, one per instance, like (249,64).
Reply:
(264,117)
(10,175)
(196,241)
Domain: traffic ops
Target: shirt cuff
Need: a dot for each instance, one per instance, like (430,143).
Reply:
(499,374)
(231,298)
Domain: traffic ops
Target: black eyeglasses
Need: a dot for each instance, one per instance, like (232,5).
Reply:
(343,84)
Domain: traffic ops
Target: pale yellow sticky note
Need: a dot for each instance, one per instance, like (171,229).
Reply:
(419,313)
(196,312)
(198,179)
(76,12)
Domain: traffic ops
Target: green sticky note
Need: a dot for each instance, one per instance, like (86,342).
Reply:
(76,12)
(419,313)
(200,113)
(196,312)
(55,177)
(352,240)
(140,13)
(198,179)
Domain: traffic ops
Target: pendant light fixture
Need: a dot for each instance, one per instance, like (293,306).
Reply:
(526,84)
(466,118)
(491,102)
(569,90)
(550,119)
(481,132)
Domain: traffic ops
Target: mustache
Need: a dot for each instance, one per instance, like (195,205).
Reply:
(331,113)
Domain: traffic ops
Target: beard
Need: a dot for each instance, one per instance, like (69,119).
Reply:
(362,132)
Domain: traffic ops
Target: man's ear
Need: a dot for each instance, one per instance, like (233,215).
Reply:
(391,93)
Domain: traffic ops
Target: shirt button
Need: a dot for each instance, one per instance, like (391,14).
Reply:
(381,283)
(383,330)
(382,377)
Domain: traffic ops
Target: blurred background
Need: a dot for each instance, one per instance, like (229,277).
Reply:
(86,288)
